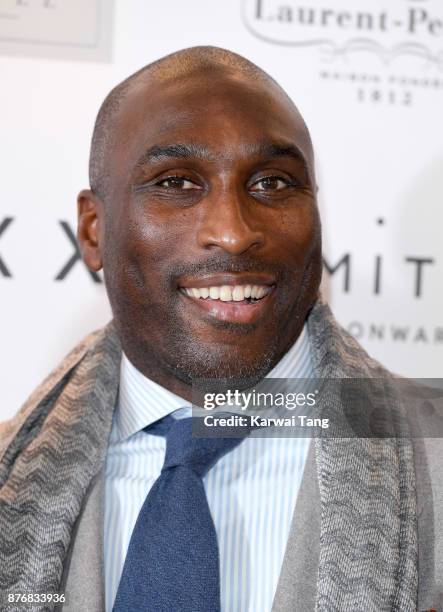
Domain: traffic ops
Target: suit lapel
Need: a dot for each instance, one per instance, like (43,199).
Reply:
(83,579)
(297,584)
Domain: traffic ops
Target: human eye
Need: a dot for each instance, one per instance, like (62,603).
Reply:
(176,183)
(268,184)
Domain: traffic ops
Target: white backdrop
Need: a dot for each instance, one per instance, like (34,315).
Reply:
(368,77)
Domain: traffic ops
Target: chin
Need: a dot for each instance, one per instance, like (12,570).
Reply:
(202,365)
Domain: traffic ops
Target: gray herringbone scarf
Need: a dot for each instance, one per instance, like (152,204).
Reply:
(57,443)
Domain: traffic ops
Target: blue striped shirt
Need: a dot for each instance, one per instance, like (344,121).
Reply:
(251,491)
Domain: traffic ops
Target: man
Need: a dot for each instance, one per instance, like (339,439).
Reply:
(202,213)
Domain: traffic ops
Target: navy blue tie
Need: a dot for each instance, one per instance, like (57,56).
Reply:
(172,564)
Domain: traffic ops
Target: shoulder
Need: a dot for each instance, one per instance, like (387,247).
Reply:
(50,386)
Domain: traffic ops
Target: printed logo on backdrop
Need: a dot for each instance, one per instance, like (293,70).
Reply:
(59,29)
(69,262)
(387,51)
(417,273)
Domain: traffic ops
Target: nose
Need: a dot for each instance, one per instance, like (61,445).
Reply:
(228,222)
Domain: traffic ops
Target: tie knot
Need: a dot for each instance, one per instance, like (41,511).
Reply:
(182,448)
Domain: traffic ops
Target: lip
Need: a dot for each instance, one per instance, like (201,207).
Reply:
(217,280)
(232,312)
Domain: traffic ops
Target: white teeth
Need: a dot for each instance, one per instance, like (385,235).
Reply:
(229,293)
(238,295)
(214,293)
(226,293)
(261,292)
(254,291)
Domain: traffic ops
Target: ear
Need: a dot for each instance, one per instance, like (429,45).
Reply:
(90,228)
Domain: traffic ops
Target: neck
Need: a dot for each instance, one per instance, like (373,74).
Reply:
(183,385)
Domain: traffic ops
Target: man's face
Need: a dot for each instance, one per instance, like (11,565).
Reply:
(212,236)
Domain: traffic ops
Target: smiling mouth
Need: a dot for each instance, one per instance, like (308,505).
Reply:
(232,303)
(250,294)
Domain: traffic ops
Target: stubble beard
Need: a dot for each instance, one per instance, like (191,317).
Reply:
(198,364)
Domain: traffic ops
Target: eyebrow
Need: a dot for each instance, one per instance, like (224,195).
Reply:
(265,149)
(272,150)
(159,153)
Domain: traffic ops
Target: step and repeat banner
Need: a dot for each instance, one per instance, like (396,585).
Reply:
(367,75)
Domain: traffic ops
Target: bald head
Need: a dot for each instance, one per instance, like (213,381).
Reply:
(179,66)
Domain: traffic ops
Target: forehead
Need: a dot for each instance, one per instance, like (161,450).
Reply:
(226,113)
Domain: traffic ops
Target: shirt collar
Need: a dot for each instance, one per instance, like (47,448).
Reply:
(142,401)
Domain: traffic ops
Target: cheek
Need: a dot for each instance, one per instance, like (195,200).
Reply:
(297,235)
(141,246)
(154,227)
